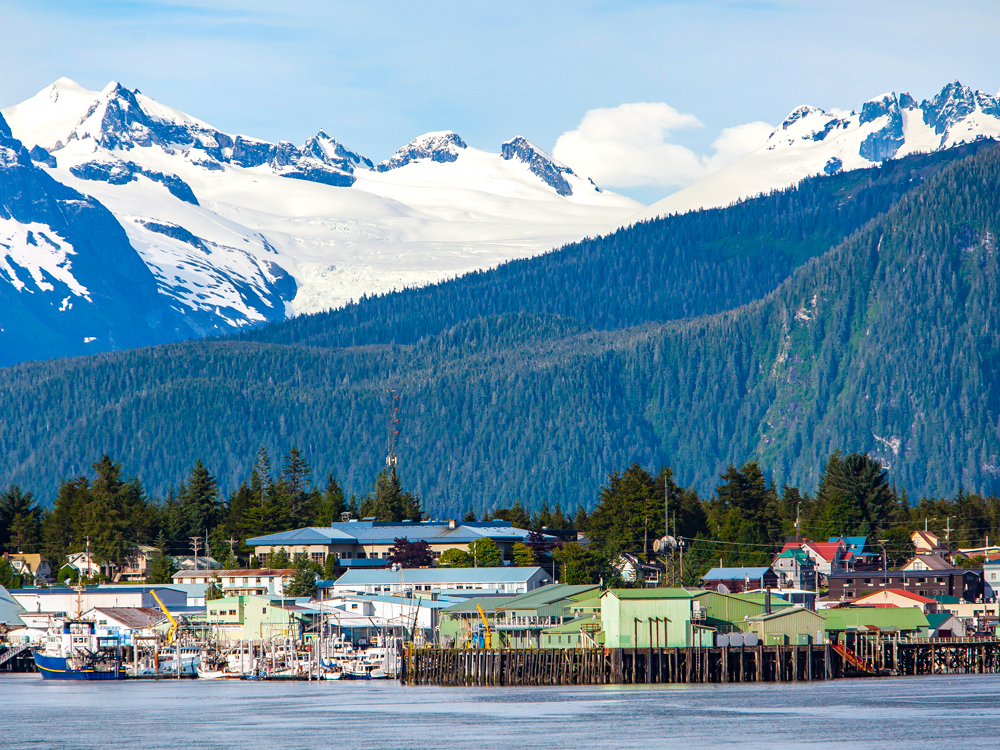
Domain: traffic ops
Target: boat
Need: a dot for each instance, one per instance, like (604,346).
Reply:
(76,650)
(215,674)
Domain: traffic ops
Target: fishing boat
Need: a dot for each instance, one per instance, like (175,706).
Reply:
(76,650)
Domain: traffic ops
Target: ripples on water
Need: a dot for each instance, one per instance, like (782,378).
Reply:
(941,712)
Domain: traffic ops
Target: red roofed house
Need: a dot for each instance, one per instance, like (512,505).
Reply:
(898,598)
(829,557)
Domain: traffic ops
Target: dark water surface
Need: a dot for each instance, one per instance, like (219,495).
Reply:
(941,712)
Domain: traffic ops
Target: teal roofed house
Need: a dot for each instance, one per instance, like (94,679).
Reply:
(795,569)
(366,544)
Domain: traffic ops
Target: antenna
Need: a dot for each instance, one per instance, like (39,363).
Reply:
(393,431)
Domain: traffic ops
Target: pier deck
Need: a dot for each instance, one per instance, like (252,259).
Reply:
(777,663)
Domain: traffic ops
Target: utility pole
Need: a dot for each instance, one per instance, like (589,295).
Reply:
(947,532)
(390,459)
(798,517)
(196,544)
(232,547)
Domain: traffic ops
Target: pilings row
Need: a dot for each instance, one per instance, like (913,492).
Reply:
(776,663)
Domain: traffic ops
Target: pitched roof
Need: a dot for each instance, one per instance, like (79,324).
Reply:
(927,537)
(826,550)
(471,606)
(854,543)
(899,592)
(884,618)
(934,562)
(783,612)
(732,574)
(134,618)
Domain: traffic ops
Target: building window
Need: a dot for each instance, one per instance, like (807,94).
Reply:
(232,611)
(263,611)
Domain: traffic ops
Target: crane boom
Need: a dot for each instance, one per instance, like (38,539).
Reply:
(486,626)
(173,622)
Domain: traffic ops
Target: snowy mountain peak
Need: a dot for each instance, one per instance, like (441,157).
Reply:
(541,164)
(442,146)
(811,141)
(331,151)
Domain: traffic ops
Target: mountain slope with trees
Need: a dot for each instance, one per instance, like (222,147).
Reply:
(885,344)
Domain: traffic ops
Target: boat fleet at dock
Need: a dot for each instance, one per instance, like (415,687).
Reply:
(80,650)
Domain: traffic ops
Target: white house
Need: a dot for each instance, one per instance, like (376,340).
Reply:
(245,581)
(457,581)
(85,563)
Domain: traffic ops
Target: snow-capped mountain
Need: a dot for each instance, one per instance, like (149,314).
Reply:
(70,282)
(236,230)
(812,141)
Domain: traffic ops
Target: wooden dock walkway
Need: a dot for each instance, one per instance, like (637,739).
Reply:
(789,663)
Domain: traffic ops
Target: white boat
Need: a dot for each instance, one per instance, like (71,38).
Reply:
(215,674)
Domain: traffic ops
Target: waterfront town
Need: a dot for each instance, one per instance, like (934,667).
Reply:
(449,602)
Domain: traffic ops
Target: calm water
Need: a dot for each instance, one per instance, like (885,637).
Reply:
(929,712)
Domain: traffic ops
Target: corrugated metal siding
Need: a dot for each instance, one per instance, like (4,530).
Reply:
(619,617)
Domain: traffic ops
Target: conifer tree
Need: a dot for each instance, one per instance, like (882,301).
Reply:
(199,500)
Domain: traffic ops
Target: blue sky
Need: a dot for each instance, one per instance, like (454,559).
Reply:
(376,74)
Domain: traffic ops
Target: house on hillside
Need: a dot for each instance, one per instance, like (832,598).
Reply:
(735,580)
(137,561)
(84,563)
(928,543)
(927,561)
(829,558)
(32,568)
(859,557)
(635,570)
(795,569)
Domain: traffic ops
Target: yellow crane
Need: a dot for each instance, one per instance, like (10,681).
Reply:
(486,627)
(173,623)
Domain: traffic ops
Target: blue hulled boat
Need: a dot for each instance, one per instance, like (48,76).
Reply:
(74,650)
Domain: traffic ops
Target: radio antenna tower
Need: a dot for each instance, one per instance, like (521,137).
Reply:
(393,436)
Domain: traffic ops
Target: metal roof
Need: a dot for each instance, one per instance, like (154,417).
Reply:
(548,594)
(378,532)
(10,609)
(884,618)
(134,618)
(438,575)
(732,574)
(653,593)
(470,606)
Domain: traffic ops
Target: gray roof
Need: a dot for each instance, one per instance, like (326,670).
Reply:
(733,574)
(438,575)
(378,532)
(10,609)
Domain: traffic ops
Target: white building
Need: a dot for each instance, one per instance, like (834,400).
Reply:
(245,581)
(60,599)
(457,581)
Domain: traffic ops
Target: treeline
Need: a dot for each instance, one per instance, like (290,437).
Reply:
(744,521)
(110,512)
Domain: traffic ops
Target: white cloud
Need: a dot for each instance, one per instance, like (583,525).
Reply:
(631,146)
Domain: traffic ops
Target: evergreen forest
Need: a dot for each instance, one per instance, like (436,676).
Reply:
(853,313)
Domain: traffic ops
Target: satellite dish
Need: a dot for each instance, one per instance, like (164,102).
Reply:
(665,544)
(723,588)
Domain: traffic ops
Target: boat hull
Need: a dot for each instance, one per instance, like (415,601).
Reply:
(56,668)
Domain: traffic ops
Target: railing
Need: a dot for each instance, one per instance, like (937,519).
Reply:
(853,659)
(13,652)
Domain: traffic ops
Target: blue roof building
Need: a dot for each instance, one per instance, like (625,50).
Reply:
(357,544)
(735,580)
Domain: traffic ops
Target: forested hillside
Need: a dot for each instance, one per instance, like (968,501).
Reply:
(885,344)
(695,264)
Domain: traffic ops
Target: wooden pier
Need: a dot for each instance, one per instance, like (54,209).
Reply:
(789,663)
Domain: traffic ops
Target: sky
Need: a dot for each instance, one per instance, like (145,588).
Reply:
(643,96)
